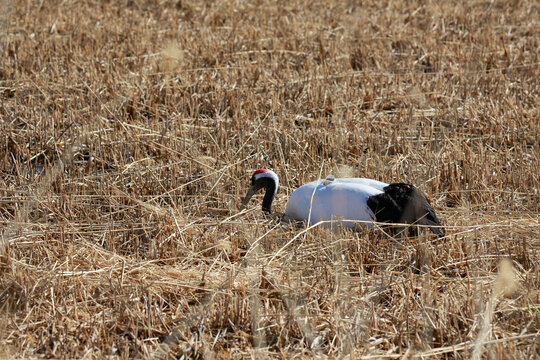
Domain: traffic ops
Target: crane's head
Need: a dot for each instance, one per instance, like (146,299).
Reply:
(267,179)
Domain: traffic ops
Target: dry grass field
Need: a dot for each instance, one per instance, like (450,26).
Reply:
(129,132)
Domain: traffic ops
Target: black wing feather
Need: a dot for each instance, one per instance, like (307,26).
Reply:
(404,203)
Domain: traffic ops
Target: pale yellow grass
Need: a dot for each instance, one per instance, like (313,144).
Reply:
(129,131)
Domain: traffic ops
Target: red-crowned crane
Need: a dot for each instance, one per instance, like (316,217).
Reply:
(352,202)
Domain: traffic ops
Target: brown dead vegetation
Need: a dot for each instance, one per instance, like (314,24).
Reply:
(129,130)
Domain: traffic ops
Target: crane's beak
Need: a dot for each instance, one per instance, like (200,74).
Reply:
(251,191)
